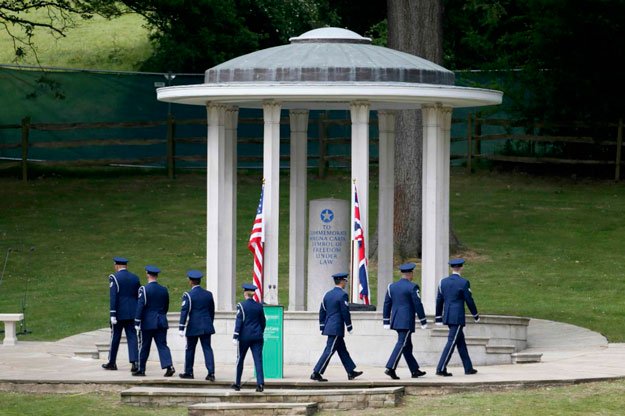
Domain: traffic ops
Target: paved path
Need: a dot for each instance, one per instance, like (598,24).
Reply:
(570,354)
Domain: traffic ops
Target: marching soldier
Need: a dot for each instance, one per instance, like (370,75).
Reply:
(151,322)
(334,316)
(401,303)
(453,292)
(197,315)
(248,334)
(123,288)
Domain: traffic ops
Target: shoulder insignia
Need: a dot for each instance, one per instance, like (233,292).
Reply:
(111,284)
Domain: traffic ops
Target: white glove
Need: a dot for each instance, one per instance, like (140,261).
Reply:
(113,320)
(181,334)
(137,328)
(235,341)
(387,327)
(350,331)
(424,326)
(438,324)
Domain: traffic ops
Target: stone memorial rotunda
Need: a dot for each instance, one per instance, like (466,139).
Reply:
(325,69)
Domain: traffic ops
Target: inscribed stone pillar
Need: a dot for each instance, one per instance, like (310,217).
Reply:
(328,246)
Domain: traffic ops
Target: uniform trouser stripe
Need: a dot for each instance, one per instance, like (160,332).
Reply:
(452,346)
(330,354)
(401,351)
(111,342)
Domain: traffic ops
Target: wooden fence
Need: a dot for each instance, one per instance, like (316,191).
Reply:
(170,141)
(475,137)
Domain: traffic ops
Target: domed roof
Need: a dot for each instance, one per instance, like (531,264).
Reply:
(329,55)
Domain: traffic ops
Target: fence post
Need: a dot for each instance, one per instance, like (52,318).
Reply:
(322,145)
(469,142)
(171,147)
(25,134)
(619,148)
(478,134)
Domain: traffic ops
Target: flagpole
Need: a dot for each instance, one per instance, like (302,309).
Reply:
(353,269)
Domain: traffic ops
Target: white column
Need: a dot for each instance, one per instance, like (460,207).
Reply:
(445,185)
(297,209)
(360,173)
(271,208)
(386,122)
(230,207)
(435,239)
(215,208)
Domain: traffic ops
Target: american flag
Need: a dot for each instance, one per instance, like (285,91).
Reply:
(359,237)
(255,245)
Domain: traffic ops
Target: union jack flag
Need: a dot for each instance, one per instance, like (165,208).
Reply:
(359,237)
(255,245)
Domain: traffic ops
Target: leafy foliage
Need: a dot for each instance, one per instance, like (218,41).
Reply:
(194,35)
(566,52)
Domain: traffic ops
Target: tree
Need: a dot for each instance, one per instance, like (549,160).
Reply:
(19,22)
(414,27)
(194,35)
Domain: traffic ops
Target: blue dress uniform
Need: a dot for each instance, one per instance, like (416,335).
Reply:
(249,327)
(151,317)
(453,293)
(334,317)
(123,288)
(196,316)
(401,304)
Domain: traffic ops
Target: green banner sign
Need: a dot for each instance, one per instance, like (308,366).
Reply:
(273,348)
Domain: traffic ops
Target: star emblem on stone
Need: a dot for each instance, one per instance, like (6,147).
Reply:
(327,215)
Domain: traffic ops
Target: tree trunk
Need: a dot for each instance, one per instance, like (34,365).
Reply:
(415,27)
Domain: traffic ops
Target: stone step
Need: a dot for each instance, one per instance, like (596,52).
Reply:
(103,346)
(526,357)
(87,354)
(260,409)
(443,331)
(500,349)
(352,398)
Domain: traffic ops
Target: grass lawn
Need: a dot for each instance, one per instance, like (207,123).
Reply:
(93,404)
(603,398)
(117,44)
(537,247)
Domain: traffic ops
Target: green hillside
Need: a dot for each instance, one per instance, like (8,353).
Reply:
(98,43)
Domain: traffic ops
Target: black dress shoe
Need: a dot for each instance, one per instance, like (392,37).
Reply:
(418,373)
(210,377)
(260,388)
(139,374)
(134,368)
(185,375)
(170,371)
(443,373)
(317,377)
(235,387)
(354,374)
(471,371)
(391,373)
(109,366)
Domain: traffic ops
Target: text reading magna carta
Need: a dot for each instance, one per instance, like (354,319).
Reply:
(327,244)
